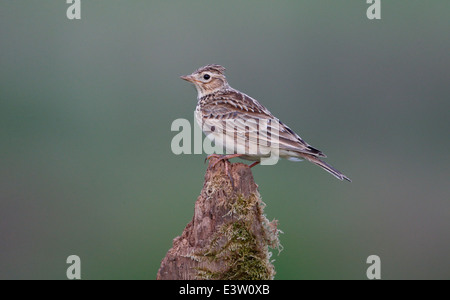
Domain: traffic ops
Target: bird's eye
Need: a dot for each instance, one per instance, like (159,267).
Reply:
(206,76)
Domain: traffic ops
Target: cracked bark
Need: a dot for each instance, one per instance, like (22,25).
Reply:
(229,236)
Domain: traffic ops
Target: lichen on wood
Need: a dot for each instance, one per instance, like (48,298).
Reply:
(229,236)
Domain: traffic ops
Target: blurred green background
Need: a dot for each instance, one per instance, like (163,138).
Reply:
(86,107)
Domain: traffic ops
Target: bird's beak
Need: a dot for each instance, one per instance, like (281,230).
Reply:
(189,78)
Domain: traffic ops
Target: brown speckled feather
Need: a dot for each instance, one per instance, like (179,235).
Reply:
(225,113)
(232,104)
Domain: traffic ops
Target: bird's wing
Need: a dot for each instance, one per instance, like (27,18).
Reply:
(236,115)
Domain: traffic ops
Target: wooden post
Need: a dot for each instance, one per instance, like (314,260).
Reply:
(229,236)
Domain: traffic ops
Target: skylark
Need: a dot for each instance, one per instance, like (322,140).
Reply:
(244,127)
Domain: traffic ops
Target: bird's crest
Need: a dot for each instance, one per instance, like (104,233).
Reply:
(212,68)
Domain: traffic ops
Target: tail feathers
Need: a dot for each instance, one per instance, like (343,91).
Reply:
(326,167)
(315,151)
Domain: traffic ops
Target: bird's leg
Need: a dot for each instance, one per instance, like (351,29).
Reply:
(213,155)
(254,164)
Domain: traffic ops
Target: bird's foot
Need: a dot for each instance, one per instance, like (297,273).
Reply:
(221,157)
(225,159)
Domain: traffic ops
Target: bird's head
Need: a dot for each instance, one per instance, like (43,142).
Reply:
(208,79)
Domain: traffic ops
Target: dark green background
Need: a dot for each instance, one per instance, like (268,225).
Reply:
(86,108)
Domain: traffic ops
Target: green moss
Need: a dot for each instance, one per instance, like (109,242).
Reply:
(236,246)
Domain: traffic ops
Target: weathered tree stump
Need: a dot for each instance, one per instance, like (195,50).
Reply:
(229,236)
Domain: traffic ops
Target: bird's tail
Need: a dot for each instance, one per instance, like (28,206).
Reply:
(326,167)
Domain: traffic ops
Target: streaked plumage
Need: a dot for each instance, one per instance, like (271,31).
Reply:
(219,105)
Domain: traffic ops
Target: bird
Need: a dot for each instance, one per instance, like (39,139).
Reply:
(220,105)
